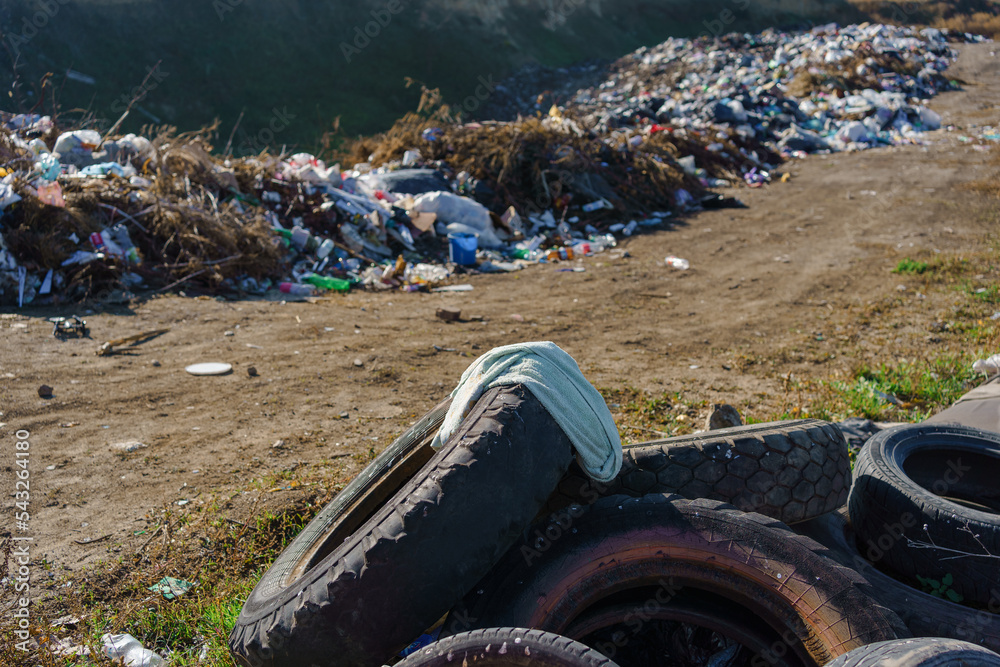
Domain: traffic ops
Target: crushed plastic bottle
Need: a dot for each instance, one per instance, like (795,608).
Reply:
(130,651)
(297,289)
(677,263)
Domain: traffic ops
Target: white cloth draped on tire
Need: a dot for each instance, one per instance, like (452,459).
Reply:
(557,382)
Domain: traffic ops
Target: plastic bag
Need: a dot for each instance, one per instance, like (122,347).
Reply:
(455,209)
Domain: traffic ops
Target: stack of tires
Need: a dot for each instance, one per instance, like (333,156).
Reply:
(922,526)
(499,543)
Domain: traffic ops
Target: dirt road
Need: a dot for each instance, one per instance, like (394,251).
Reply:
(786,286)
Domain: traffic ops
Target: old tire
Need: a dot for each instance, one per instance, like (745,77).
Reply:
(925,615)
(506,646)
(920,652)
(939,486)
(394,551)
(790,470)
(688,559)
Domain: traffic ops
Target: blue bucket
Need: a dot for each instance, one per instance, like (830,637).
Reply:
(462,249)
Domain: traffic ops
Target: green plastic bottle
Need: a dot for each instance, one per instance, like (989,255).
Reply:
(327,283)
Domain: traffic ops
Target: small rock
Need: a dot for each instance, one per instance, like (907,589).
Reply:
(517,317)
(278,444)
(230,333)
(45,391)
(155,363)
(723,415)
(252,371)
(448,314)
(359,363)
(345,415)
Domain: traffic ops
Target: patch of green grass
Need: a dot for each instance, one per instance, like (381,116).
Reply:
(988,294)
(907,391)
(908,265)
(223,545)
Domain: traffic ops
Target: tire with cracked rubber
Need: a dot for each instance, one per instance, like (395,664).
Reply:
(919,652)
(931,495)
(664,558)
(924,614)
(501,647)
(406,539)
(789,470)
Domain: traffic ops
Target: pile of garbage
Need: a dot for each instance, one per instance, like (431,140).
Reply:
(830,88)
(89,216)
(83,216)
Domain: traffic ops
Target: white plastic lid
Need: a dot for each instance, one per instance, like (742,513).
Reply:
(209,368)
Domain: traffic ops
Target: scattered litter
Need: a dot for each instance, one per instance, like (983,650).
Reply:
(171,588)
(108,348)
(677,263)
(68,621)
(130,651)
(128,446)
(64,646)
(448,314)
(68,326)
(453,288)
(988,367)
(210,368)
(888,398)
(857,430)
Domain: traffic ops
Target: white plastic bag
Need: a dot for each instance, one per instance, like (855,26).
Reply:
(455,209)
(78,141)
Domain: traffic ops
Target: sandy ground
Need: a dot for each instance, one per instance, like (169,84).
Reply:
(774,289)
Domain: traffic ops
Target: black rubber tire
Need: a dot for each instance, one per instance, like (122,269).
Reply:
(919,652)
(506,646)
(770,579)
(788,470)
(903,479)
(924,614)
(397,548)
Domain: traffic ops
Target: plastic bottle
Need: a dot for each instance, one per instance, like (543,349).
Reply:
(529,255)
(120,237)
(529,249)
(605,240)
(129,650)
(558,254)
(327,283)
(352,237)
(325,248)
(303,239)
(297,289)
(678,263)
